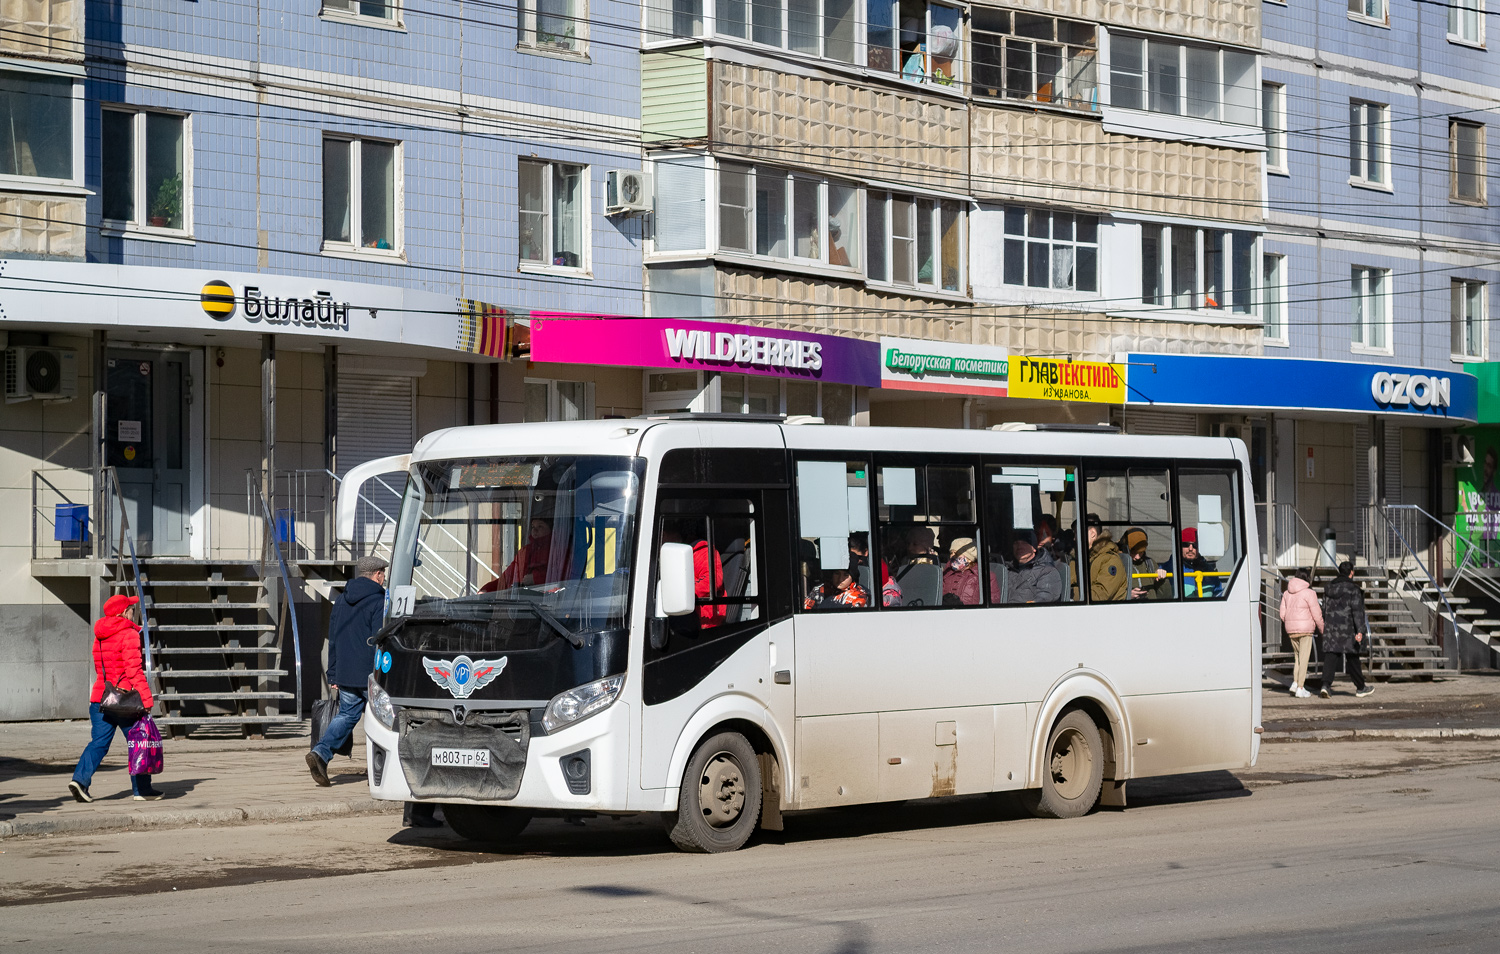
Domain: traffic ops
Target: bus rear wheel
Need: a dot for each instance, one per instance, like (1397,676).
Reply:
(718,805)
(492,824)
(1073,772)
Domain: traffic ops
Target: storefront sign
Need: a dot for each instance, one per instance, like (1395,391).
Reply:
(707,345)
(912,364)
(1052,379)
(1297,384)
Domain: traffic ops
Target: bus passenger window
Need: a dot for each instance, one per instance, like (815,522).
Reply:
(1209,544)
(1024,505)
(1129,523)
(834,569)
(928,536)
(722,534)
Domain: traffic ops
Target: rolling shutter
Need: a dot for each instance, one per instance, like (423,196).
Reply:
(377,418)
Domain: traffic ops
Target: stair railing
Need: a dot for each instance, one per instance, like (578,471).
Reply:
(1476,556)
(286,612)
(1450,646)
(123,542)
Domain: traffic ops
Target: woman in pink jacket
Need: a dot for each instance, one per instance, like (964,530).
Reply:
(1301,616)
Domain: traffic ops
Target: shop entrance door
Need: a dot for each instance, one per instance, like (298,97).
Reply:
(145,440)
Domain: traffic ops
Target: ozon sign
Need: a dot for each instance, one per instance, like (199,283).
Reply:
(1411,390)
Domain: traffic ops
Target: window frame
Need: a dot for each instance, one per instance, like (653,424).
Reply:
(354,247)
(1457,7)
(1377,115)
(74,184)
(351,14)
(140,222)
(1003,45)
(1027,239)
(1274,129)
(882,460)
(1360,298)
(987,487)
(527,18)
(585,266)
(717,394)
(1088,467)
(788,178)
(1274,298)
(888,199)
(1480,159)
(1165,299)
(1183,71)
(1460,318)
(1383,19)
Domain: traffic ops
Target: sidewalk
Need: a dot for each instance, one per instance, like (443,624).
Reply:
(216,778)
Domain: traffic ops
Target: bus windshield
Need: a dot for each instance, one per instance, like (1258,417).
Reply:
(528,548)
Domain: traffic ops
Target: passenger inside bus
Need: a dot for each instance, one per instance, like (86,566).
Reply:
(1147,580)
(1195,586)
(838,590)
(1109,580)
(961,574)
(1033,576)
(859,565)
(918,569)
(1046,537)
(708,573)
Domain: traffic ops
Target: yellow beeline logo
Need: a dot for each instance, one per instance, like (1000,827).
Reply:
(218,300)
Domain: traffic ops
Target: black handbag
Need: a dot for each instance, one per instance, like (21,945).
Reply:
(323,711)
(119,706)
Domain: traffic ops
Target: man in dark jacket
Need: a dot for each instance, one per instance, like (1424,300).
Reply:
(351,656)
(1033,576)
(1345,627)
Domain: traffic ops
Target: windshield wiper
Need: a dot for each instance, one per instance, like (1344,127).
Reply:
(547,616)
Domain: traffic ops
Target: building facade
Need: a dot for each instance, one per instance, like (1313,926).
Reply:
(246,247)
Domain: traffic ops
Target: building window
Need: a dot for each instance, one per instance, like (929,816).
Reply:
(388,10)
(553,215)
(916,241)
(1370,10)
(1180,79)
(1193,268)
(777,214)
(38,124)
(921,41)
(146,181)
(1273,298)
(1369,144)
(361,195)
(1466,161)
(1051,249)
(1035,58)
(754,394)
(1370,295)
(546,400)
(560,26)
(1466,21)
(1273,122)
(1468,319)
(666,19)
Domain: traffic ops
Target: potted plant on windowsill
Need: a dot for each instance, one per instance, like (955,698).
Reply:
(167,203)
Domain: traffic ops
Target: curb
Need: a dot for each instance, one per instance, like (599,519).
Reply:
(1330,735)
(194,818)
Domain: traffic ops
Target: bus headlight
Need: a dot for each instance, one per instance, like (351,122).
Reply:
(568,707)
(380,704)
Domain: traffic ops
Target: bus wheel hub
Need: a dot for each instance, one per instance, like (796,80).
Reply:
(721,792)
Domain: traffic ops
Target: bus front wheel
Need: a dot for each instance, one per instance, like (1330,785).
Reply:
(1073,771)
(493,824)
(718,805)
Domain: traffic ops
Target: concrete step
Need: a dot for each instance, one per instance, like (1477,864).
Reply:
(222,696)
(213,627)
(212,650)
(225,720)
(216,673)
(156,604)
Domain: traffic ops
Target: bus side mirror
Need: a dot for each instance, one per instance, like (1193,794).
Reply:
(676,583)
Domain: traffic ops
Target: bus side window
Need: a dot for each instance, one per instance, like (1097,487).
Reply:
(1210,544)
(1025,503)
(1129,510)
(929,537)
(726,563)
(835,569)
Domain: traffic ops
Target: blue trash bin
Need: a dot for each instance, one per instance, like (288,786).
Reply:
(70,523)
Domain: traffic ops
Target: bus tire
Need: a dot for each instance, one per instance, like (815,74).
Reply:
(491,824)
(1072,772)
(718,805)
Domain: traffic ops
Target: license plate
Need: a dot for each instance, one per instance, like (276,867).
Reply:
(461,758)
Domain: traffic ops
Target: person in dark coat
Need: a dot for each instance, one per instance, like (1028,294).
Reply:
(1345,629)
(353,623)
(1033,574)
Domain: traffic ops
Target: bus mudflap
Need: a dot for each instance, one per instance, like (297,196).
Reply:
(504,735)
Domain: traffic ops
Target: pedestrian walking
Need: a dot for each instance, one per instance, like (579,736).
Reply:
(1345,628)
(117,662)
(1302,617)
(352,626)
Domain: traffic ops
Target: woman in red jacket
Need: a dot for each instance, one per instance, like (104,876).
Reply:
(117,659)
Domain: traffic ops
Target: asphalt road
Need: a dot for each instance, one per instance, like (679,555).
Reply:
(1404,858)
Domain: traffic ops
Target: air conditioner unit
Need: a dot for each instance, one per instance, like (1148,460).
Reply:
(1458,450)
(45,374)
(627,191)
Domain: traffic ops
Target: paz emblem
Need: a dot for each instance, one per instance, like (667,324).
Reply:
(464,676)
